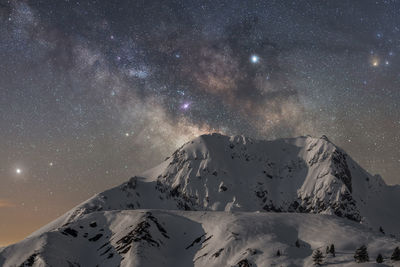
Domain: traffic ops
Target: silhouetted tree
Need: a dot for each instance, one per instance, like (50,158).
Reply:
(327,250)
(361,254)
(297,243)
(379,258)
(318,257)
(278,253)
(332,250)
(396,254)
(381,230)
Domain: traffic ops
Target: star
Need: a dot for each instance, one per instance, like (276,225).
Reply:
(254,59)
(185,106)
(375,62)
(18,171)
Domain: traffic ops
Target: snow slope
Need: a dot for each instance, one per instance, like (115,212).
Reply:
(248,182)
(201,238)
(221,173)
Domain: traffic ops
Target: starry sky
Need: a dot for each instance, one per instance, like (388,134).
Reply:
(93,92)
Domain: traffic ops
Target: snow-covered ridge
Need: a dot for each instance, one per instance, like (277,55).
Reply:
(155,238)
(222,173)
(230,174)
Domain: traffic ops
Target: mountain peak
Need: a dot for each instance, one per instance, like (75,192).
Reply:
(221,173)
(236,173)
(227,173)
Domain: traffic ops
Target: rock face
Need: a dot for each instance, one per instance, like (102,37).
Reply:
(293,175)
(221,173)
(156,238)
(238,174)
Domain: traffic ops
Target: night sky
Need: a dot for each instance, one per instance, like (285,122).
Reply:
(94,92)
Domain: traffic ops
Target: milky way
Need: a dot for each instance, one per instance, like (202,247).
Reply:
(93,92)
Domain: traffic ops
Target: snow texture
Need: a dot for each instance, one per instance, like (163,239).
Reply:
(227,201)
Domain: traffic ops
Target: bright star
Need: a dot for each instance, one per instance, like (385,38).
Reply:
(375,62)
(185,105)
(18,171)
(126,134)
(254,59)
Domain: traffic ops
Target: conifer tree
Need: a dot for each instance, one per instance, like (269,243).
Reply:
(361,254)
(381,230)
(379,258)
(318,257)
(396,254)
(332,250)
(278,253)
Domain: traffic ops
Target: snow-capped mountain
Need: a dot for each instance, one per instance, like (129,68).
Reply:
(240,201)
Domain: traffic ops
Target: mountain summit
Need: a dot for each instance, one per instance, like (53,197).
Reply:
(247,183)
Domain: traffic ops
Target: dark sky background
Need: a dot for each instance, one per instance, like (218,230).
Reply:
(93,92)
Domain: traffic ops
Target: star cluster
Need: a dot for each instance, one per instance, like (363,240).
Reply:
(93,92)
